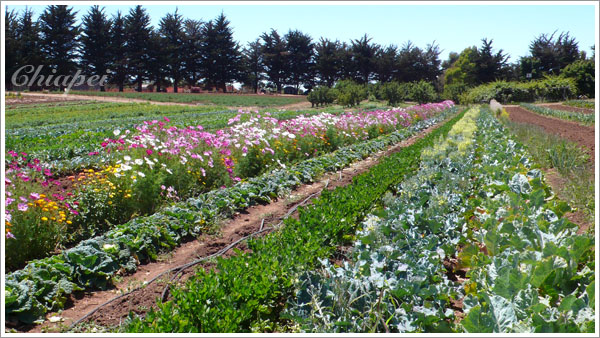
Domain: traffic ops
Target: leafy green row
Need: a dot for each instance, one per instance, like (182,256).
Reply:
(528,270)
(580,104)
(247,291)
(44,284)
(395,280)
(535,274)
(587,119)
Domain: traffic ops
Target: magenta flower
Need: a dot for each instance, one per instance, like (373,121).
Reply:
(34,196)
(22,207)
(10,235)
(8,201)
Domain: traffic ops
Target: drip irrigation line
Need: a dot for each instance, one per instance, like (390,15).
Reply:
(179,269)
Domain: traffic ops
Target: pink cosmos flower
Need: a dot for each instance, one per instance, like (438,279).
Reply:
(22,207)
(34,196)
(10,235)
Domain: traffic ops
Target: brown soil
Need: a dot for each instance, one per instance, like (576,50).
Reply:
(559,106)
(583,135)
(242,224)
(27,99)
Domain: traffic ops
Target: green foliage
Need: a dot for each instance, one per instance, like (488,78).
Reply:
(580,104)
(587,119)
(321,95)
(350,93)
(143,238)
(422,92)
(229,100)
(454,91)
(583,72)
(247,290)
(552,88)
(394,92)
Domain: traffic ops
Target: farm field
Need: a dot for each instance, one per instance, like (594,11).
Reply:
(570,108)
(586,119)
(582,135)
(232,100)
(103,196)
(345,241)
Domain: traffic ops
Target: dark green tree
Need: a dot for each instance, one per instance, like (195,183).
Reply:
(11,45)
(172,35)
(29,52)
(253,65)
(584,73)
(300,50)
(158,66)
(221,54)
(489,65)
(117,51)
(275,56)
(328,61)
(137,31)
(385,63)
(552,55)
(363,58)
(95,42)
(192,51)
(59,39)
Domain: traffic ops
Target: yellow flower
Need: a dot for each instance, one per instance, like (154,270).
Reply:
(44,218)
(69,222)
(42,196)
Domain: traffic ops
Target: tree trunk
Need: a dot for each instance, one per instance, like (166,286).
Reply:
(139,84)
(175,85)
(102,88)
(121,86)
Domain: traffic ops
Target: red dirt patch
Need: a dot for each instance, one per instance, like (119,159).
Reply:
(583,135)
(243,224)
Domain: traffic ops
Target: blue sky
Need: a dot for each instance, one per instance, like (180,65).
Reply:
(454,27)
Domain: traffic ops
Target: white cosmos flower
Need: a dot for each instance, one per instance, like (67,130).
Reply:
(116,132)
(139,161)
(127,158)
(125,167)
(141,174)
(169,171)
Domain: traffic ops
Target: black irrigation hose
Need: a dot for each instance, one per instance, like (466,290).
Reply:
(181,268)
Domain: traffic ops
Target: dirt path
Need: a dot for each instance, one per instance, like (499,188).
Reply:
(243,224)
(43,98)
(560,106)
(583,135)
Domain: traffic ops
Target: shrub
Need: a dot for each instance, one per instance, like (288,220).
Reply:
(422,92)
(350,93)
(552,88)
(583,73)
(321,96)
(394,92)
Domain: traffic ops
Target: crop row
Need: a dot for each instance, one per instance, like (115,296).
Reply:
(587,119)
(219,99)
(246,292)
(45,284)
(158,163)
(580,104)
(485,208)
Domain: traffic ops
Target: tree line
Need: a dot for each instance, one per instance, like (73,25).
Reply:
(189,52)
